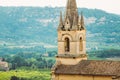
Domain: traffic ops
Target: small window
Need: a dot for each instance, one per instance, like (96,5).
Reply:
(81,44)
(67,45)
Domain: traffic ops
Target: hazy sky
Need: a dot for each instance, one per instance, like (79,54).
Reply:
(112,6)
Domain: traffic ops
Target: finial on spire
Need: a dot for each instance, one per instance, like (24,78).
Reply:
(82,21)
(61,21)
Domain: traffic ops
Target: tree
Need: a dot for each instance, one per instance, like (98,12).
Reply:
(18,61)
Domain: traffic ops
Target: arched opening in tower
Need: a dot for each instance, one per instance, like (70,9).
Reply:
(81,44)
(67,44)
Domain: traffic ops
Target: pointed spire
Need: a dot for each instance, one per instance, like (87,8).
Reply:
(68,4)
(71,10)
(74,26)
(82,21)
(71,7)
(72,21)
(60,22)
(71,4)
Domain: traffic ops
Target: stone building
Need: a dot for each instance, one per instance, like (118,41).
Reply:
(3,65)
(71,61)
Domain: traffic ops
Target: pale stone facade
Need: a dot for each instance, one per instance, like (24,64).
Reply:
(82,77)
(74,37)
(74,45)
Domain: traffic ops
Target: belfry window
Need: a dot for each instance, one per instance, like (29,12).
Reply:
(81,44)
(67,45)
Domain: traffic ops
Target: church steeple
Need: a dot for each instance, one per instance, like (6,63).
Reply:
(71,36)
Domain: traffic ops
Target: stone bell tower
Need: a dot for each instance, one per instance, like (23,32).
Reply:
(71,36)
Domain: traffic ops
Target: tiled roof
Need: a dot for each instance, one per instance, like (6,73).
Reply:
(91,67)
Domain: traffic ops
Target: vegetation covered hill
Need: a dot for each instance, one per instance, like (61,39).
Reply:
(31,27)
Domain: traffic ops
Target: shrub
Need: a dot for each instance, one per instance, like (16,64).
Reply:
(14,78)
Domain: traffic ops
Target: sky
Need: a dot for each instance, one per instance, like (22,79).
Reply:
(111,6)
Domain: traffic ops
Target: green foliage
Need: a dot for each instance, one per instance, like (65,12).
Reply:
(104,54)
(36,61)
(108,53)
(14,78)
(25,75)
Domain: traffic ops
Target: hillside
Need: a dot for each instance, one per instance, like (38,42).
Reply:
(26,27)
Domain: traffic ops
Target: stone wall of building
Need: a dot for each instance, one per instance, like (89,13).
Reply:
(80,77)
(70,61)
(74,37)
